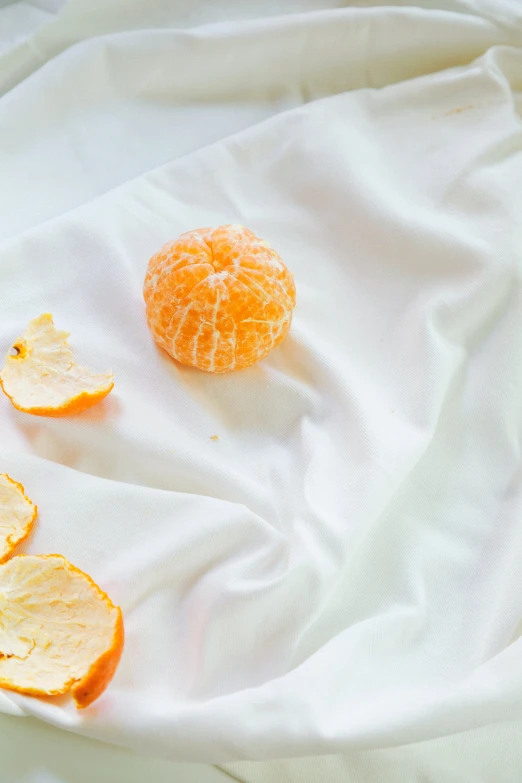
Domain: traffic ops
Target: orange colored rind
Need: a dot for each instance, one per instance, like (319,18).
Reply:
(218,299)
(59,631)
(17,516)
(40,375)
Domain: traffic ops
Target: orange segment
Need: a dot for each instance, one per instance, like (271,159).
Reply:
(41,377)
(58,631)
(17,515)
(218,299)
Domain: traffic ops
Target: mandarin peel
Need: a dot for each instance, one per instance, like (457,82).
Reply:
(17,516)
(41,377)
(59,631)
(218,299)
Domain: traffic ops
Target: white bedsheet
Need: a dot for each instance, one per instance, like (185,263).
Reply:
(338,575)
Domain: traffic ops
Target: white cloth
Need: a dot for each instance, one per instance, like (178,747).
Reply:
(339,573)
(33,752)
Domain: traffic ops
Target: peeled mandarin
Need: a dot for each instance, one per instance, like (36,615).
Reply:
(218,299)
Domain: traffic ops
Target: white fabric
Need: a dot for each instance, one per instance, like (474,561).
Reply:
(33,752)
(339,573)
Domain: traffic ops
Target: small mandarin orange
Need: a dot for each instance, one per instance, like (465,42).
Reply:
(218,299)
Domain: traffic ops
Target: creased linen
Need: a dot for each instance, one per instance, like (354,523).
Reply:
(340,571)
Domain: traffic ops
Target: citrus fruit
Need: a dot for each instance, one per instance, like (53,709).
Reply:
(17,515)
(41,377)
(58,631)
(218,298)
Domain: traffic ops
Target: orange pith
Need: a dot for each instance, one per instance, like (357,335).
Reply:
(218,299)
(42,378)
(17,516)
(59,631)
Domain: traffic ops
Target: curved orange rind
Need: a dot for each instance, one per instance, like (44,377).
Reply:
(17,516)
(59,632)
(40,375)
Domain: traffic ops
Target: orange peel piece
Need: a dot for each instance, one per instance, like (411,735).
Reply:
(59,632)
(17,516)
(41,377)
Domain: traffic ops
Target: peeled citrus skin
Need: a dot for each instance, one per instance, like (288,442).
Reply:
(58,631)
(41,377)
(218,299)
(17,516)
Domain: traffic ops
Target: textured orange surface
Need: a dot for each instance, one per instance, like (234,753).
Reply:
(218,299)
